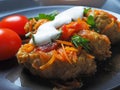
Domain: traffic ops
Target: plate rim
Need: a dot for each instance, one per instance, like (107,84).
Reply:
(54,6)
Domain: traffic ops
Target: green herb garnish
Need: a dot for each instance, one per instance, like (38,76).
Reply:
(86,10)
(49,16)
(33,38)
(27,35)
(79,41)
(91,22)
(58,36)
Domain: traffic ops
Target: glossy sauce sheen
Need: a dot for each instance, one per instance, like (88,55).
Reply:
(48,31)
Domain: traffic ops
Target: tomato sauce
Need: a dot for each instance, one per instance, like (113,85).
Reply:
(47,47)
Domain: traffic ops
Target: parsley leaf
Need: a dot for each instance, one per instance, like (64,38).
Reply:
(86,10)
(33,38)
(79,41)
(91,22)
(49,16)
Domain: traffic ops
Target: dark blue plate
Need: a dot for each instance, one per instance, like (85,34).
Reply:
(15,77)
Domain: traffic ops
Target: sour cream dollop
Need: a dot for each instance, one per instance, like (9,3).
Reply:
(48,31)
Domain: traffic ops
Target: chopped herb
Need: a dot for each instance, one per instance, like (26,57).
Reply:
(28,34)
(58,36)
(95,29)
(86,10)
(49,16)
(33,38)
(91,22)
(79,41)
(45,16)
(54,13)
(30,18)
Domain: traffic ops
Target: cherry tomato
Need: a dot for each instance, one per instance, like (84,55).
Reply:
(0,24)
(10,42)
(66,32)
(16,23)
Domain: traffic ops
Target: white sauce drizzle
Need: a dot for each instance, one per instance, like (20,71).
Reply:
(48,31)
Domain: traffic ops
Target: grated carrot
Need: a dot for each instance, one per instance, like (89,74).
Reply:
(65,42)
(50,62)
(71,49)
(58,56)
(40,22)
(31,23)
(64,53)
(44,56)
(66,56)
(74,57)
(28,48)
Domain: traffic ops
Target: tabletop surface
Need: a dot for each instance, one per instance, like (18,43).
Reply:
(10,5)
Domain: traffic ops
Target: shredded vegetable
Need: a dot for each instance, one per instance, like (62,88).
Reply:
(65,42)
(65,54)
(49,62)
(28,48)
